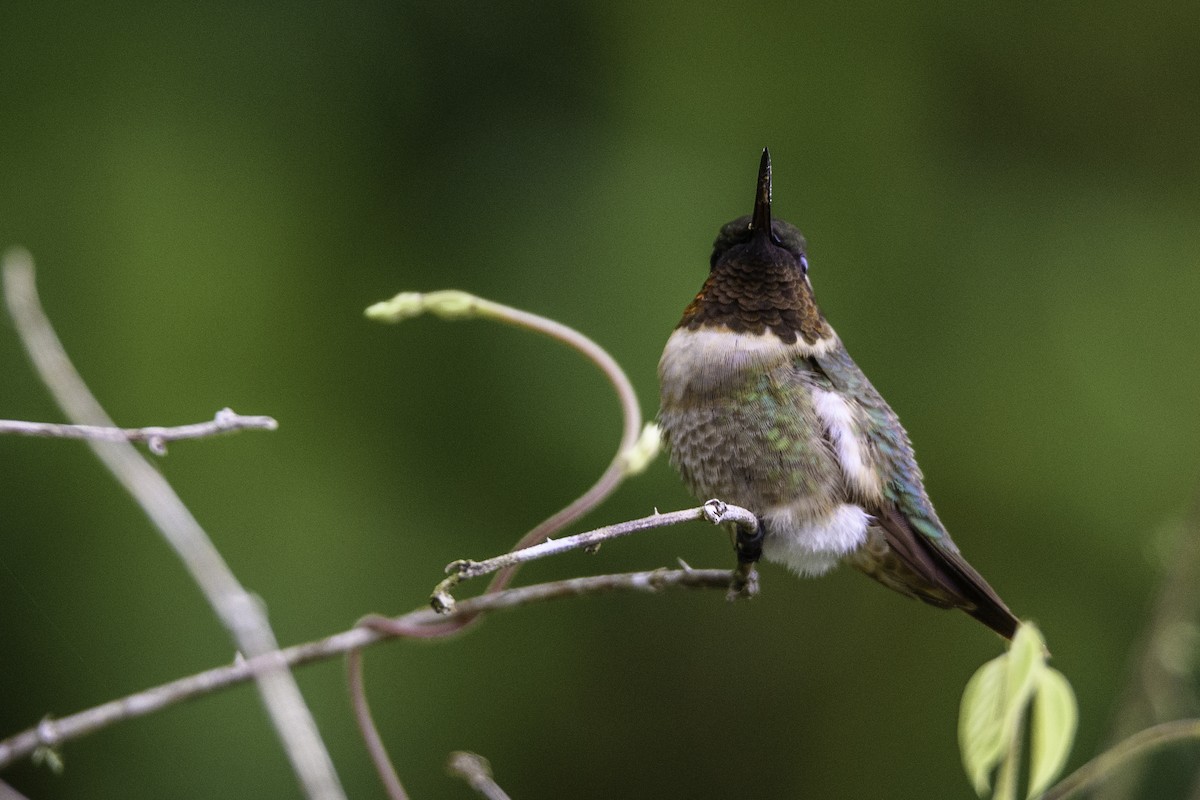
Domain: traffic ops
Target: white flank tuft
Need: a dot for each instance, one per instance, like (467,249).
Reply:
(838,418)
(813,547)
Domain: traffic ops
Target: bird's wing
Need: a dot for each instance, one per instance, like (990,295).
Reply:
(904,514)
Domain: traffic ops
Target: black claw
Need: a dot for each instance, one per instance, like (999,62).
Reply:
(748,544)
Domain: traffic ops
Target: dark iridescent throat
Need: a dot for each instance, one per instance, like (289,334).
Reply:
(758,280)
(750,294)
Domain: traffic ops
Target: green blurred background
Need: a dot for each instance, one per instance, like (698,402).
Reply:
(1001,204)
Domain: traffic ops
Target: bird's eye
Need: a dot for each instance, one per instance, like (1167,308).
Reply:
(804,264)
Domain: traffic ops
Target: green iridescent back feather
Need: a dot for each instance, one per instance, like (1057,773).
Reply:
(903,483)
(930,566)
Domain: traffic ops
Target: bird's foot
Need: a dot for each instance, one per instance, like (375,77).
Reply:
(745,583)
(749,543)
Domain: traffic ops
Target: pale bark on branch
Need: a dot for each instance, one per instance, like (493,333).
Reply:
(55,732)
(239,611)
(156,437)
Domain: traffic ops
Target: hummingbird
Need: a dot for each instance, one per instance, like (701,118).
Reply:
(761,406)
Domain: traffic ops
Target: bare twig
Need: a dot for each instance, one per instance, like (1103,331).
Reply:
(368,730)
(477,772)
(406,626)
(1140,744)
(237,609)
(715,511)
(52,732)
(1163,665)
(9,793)
(226,421)
(629,459)
(636,449)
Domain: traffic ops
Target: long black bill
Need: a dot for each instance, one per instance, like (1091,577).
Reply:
(761,219)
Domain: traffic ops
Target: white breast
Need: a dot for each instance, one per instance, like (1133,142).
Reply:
(707,358)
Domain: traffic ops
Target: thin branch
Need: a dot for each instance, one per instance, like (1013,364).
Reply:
(53,732)
(9,793)
(637,448)
(1162,669)
(367,729)
(405,627)
(629,459)
(1140,744)
(715,511)
(477,772)
(226,421)
(741,584)
(241,613)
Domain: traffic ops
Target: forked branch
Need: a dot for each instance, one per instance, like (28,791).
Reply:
(240,613)
(55,732)
(715,511)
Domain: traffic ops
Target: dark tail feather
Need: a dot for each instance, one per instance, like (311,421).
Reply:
(994,614)
(950,581)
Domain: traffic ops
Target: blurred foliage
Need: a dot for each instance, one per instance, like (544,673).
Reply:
(1000,203)
(1011,698)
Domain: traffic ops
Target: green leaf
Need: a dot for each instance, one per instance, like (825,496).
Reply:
(1026,662)
(45,755)
(980,723)
(998,700)
(1055,715)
